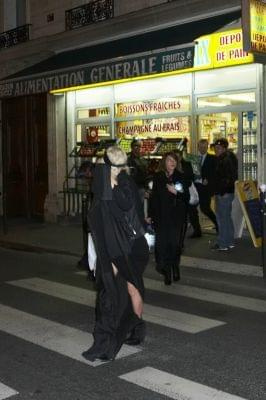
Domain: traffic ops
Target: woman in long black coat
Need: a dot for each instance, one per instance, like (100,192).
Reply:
(168,211)
(122,254)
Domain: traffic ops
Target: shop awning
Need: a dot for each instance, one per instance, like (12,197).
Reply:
(68,61)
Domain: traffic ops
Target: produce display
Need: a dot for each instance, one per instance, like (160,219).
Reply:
(149,146)
(168,145)
(125,144)
(84,150)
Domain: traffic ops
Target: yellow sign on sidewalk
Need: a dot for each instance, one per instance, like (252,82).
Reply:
(250,203)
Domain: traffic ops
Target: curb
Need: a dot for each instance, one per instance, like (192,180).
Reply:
(36,249)
(186,261)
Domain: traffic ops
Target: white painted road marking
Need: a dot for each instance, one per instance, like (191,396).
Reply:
(174,387)
(6,392)
(62,339)
(222,266)
(170,318)
(213,296)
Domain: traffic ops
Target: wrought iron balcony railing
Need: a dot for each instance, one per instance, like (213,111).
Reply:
(15,36)
(92,12)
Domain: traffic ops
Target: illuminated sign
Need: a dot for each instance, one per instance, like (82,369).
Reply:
(133,66)
(163,127)
(221,49)
(254,25)
(162,106)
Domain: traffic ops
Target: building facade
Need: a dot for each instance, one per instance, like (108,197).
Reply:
(119,69)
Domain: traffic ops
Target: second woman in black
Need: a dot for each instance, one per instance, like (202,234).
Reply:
(169,204)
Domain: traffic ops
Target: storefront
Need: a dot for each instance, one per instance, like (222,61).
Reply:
(211,90)
(219,97)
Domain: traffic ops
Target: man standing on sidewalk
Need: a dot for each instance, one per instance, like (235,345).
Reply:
(205,187)
(226,175)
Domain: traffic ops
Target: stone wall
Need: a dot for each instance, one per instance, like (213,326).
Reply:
(45,45)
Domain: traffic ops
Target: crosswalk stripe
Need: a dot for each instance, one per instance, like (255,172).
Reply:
(50,335)
(246,303)
(175,387)
(6,392)
(228,299)
(169,318)
(222,266)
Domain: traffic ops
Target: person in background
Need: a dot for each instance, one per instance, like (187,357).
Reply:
(193,215)
(138,167)
(168,212)
(205,187)
(116,223)
(225,177)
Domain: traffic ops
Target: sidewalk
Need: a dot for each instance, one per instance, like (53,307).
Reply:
(63,238)
(67,238)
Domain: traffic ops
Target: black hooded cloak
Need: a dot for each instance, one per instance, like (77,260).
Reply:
(115,220)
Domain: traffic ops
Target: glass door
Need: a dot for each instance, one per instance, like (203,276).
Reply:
(240,129)
(217,125)
(249,153)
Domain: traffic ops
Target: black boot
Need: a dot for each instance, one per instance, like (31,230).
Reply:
(137,335)
(167,276)
(176,273)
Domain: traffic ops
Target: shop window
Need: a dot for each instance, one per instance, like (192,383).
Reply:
(237,78)
(155,88)
(93,113)
(215,126)
(88,133)
(226,99)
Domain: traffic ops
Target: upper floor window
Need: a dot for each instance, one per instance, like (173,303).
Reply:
(13,20)
(14,14)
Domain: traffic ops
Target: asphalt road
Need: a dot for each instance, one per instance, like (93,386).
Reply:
(206,336)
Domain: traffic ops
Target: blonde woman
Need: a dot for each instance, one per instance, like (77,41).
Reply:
(115,220)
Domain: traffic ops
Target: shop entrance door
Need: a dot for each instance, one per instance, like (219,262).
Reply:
(25,156)
(217,125)
(240,129)
(221,125)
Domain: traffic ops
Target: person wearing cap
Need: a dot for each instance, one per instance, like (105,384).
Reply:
(116,223)
(138,166)
(225,177)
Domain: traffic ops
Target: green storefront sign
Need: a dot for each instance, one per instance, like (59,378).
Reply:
(129,67)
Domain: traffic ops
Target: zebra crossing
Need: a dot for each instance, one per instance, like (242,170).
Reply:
(237,301)
(6,392)
(70,342)
(173,386)
(168,318)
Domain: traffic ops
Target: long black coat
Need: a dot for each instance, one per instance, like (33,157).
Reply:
(169,215)
(208,171)
(165,206)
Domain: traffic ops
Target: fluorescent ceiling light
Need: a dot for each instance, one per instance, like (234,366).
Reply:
(245,97)
(211,103)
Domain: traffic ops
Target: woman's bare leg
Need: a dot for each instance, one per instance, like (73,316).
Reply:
(136,299)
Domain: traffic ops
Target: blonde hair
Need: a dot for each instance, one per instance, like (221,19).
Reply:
(117,156)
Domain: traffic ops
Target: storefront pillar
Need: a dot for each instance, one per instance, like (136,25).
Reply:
(56,156)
